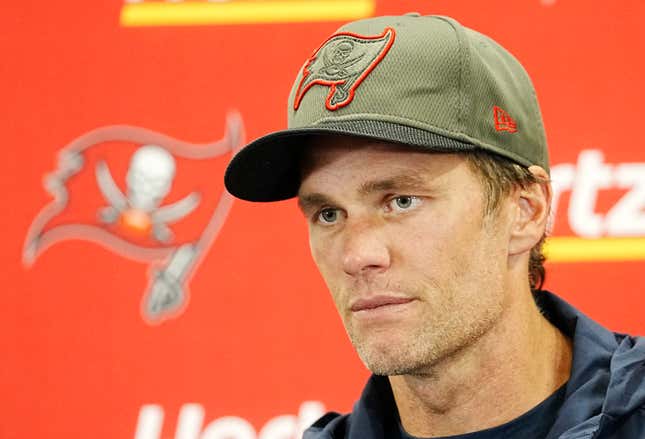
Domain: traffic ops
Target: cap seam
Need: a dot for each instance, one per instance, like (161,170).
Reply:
(464,60)
(538,117)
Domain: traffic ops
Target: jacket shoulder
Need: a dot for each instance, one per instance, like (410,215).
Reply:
(332,425)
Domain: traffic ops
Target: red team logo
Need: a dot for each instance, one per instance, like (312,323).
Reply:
(341,63)
(144,196)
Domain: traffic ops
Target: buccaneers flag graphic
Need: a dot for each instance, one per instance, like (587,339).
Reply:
(143,195)
(342,62)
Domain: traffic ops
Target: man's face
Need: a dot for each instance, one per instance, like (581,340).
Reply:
(415,269)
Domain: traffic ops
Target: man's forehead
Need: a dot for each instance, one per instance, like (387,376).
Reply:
(370,165)
(320,150)
(321,144)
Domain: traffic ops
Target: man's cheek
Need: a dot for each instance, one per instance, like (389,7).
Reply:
(327,261)
(317,252)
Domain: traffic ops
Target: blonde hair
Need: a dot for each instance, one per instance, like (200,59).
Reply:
(499,177)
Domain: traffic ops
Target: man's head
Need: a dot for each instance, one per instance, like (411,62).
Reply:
(418,254)
(417,151)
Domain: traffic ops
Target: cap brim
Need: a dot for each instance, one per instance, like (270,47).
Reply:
(268,169)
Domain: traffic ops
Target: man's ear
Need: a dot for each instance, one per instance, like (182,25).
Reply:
(532,213)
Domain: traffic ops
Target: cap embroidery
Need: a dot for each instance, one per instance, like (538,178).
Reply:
(342,62)
(504,121)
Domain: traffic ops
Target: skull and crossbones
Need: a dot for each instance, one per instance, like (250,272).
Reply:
(149,179)
(337,59)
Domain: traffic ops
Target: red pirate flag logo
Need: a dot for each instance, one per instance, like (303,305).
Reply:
(342,62)
(143,195)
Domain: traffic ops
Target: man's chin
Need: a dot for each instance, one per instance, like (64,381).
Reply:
(390,368)
(384,360)
(393,354)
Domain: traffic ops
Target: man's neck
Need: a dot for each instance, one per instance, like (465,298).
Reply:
(513,367)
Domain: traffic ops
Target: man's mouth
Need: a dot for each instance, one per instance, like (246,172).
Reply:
(378,302)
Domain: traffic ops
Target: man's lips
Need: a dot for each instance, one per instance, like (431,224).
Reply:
(371,303)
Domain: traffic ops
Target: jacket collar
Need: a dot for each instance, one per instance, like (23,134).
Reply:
(593,347)
(606,373)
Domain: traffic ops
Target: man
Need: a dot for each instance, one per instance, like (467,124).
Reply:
(417,153)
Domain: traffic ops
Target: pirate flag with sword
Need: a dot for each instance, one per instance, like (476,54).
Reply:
(167,215)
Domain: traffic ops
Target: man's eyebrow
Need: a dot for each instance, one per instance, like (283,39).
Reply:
(398,182)
(311,201)
(308,202)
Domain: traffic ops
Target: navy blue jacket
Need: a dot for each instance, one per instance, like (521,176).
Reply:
(605,394)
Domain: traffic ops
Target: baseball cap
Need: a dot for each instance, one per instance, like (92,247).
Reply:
(423,81)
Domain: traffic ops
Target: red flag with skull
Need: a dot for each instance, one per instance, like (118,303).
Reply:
(143,195)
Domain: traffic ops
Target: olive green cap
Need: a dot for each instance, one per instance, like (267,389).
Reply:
(423,81)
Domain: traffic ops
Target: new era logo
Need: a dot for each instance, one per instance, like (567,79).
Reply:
(504,121)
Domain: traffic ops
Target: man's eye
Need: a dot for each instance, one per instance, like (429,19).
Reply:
(404,202)
(328,216)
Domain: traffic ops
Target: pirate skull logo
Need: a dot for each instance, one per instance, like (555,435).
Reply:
(341,51)
(337,59)
(149,179)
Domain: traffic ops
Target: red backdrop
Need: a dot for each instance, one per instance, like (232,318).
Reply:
(256,349)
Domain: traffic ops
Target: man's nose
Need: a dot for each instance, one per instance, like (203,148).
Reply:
(365,249)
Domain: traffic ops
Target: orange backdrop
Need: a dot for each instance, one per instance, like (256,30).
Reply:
(252,348)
